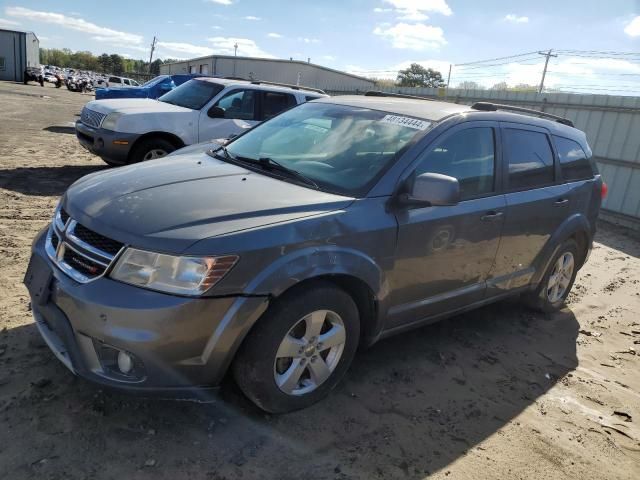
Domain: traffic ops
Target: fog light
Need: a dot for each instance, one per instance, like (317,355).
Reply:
(125,362)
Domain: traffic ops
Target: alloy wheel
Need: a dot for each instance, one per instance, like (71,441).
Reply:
(154,153)
(309,352)
(560,277)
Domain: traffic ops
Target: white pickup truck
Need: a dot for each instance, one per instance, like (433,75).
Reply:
(131,130)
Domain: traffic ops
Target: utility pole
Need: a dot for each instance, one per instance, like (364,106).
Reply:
(235,54)
(449,76)
(544,72)
(153,47)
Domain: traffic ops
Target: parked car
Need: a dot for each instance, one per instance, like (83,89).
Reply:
(335,224)
(154,88)
(121,82)
(131,130)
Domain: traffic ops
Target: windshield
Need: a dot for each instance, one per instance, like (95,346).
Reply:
(341,148)
(193,94)
(154,81)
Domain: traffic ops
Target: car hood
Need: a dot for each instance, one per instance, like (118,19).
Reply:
(169,204)
(133,105)
(125,92)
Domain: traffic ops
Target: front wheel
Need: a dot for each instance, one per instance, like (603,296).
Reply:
(556,284)
(151,149)
(300,348)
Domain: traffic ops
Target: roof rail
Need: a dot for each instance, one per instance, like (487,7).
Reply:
(378,93)
(234,78)
(288,85)
(492,107)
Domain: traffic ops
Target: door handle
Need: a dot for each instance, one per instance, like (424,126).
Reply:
(561,201)
(491,216)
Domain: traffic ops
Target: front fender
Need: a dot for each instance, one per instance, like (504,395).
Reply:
(313,262)
(576,223)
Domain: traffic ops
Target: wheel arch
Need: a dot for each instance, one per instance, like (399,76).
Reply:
(169,137)
(575,227)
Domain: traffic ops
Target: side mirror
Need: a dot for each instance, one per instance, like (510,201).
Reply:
(216,112)
(166,88)
(433,189)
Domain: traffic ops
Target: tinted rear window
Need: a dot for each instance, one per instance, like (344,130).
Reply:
(574,163)
(275,102)
(530,159)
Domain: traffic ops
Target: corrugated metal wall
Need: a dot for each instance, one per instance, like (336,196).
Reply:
(283,71)
(612,125)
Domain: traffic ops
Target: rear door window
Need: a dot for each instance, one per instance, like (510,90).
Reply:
(115,80)
(529,157)
(574,163)
(469,156)
(275,102)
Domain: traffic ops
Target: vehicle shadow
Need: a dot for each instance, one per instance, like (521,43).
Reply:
(624,240)
(60,129)
(44,181)
(409,406)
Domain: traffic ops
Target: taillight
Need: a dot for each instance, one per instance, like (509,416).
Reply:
(603,191)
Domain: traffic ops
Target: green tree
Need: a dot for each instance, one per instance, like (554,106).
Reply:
(468,85)
(418,76)
(117,64)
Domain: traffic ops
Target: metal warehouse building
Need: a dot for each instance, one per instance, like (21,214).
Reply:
(272,70)
(18,50)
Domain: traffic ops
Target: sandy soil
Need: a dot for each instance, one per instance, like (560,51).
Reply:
(499,393)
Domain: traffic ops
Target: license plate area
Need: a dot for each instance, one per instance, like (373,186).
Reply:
(38,280)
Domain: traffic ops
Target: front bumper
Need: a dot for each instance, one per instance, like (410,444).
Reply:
(179,343)
(101,142)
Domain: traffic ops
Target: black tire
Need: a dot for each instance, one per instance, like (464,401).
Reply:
(142,148)
(539,298)
(255,364)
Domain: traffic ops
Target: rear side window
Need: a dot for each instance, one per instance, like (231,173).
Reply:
(574,163)
(114,80)
(274,102)
(467,155)
(530,159)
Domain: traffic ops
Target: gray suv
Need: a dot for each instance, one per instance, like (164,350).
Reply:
(335,224)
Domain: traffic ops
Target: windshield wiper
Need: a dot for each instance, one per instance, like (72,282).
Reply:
(265,163)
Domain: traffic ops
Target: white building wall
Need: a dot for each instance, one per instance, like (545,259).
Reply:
(283,71)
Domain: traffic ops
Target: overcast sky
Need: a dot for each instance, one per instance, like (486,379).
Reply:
(370,37)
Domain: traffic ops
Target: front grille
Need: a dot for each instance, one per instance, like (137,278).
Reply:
(96,240)
(64,216)
(83,264)
(79,252)
(91,118)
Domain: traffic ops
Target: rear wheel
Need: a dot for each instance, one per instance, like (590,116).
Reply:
(300,349)
(151,149)
(557,281)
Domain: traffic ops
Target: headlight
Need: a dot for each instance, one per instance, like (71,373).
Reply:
(109,123)
(172,274)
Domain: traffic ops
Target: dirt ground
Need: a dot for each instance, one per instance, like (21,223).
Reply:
(499,393)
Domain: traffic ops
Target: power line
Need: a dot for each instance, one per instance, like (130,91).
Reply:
(494,59)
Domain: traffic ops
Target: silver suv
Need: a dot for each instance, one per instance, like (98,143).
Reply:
(130,130)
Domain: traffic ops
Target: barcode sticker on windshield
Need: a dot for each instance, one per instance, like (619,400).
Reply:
(406,122)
